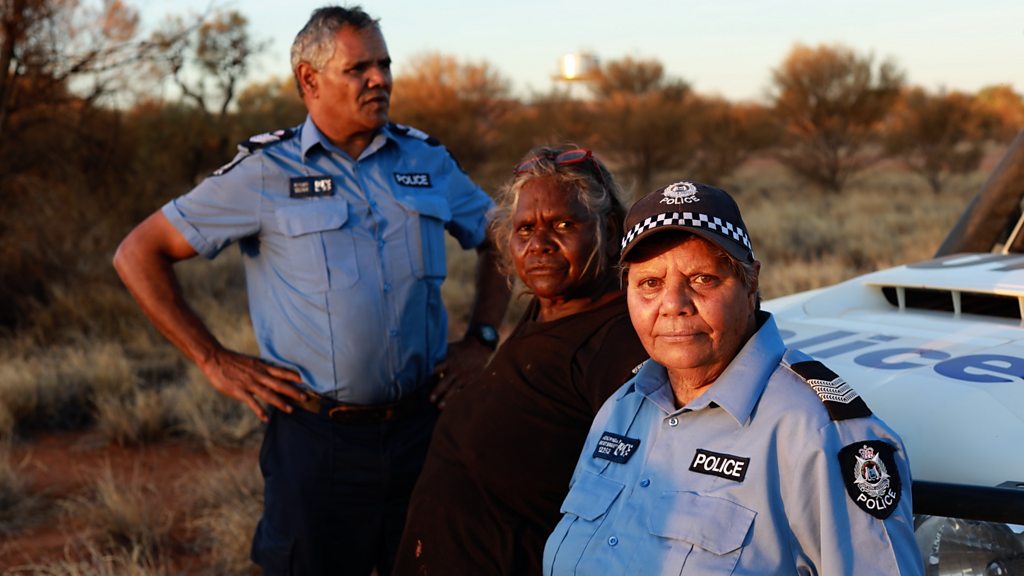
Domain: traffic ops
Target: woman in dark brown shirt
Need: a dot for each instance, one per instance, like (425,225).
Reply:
(503,451)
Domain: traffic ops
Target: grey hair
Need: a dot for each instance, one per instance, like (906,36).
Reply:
(315,43)
(595,189)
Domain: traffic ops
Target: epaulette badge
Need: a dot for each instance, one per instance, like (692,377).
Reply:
(253,144)
(839,398)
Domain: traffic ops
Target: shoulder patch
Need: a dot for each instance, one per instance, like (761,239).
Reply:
(871,477)
(253,144)
(839,398)
(413,133)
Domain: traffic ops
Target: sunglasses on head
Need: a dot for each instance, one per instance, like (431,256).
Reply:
(567,158)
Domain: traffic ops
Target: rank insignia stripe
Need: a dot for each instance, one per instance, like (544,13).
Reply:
(310,187)
(871,476)
(722,465)
(615,448)
(838,397)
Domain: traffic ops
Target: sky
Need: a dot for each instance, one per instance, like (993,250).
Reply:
(726,48)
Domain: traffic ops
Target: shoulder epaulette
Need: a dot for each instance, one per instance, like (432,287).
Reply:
(403,130)
(253,144)
(636,369)
(413,133)
(839,398)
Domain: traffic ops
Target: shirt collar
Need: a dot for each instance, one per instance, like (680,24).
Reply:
(739,387)
(312,136)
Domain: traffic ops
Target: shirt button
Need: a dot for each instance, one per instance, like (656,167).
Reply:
(673,421)
(387,287)
(380,244)
(393,333)
(645,483)
(612,540)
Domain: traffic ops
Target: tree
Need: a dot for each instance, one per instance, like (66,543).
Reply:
(268,105)
(462,104)
(46,45)
(728,135)
(636,77)
(830,102)
(936,135)
(642,119)
(208,61)
(1001,110)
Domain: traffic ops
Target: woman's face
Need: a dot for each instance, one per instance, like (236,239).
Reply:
(553,236)
(690,309)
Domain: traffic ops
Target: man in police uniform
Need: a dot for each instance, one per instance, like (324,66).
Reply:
(340,222)
(726,453)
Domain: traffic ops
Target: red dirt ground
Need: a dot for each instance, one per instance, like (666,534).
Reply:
(59,465)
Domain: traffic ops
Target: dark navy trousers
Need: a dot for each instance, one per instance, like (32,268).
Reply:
(335,494)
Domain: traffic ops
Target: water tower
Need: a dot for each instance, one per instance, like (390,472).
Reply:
(577,68)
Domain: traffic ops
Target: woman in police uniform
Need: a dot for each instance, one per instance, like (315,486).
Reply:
(726,453)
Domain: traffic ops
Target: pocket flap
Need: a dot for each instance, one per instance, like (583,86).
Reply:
(312,216)
(591,496)
(716,525)
(432,206)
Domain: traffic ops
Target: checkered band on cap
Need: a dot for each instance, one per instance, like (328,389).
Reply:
(689,219)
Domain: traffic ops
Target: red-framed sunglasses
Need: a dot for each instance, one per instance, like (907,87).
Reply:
(567,158)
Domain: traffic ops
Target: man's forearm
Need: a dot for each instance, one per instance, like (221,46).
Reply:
(492,291)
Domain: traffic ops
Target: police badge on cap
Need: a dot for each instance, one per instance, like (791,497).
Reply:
(697,208)
(871,477)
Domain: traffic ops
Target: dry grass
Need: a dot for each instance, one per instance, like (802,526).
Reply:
(122,515)
(133,418)
(53,387)
(806,239)
(228,503)
(133,562)
(18,506)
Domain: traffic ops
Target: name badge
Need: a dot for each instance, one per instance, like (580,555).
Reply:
(311,186)
(722,465)
(413,179)
(615,448)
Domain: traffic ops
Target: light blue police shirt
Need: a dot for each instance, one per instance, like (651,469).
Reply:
(743,480)
(344,258)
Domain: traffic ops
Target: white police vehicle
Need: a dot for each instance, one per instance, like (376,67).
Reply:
(936,349)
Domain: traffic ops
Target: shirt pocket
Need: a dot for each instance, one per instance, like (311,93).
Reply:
(426,238)
(585,508)
(319,246)
(705,534)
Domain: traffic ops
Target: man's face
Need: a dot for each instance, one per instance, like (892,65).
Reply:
(352,93)
(690,309)
(553,235)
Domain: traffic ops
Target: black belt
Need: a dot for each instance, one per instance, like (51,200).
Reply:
(364,413)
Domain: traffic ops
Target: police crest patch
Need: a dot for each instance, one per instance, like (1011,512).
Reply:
(871,477)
